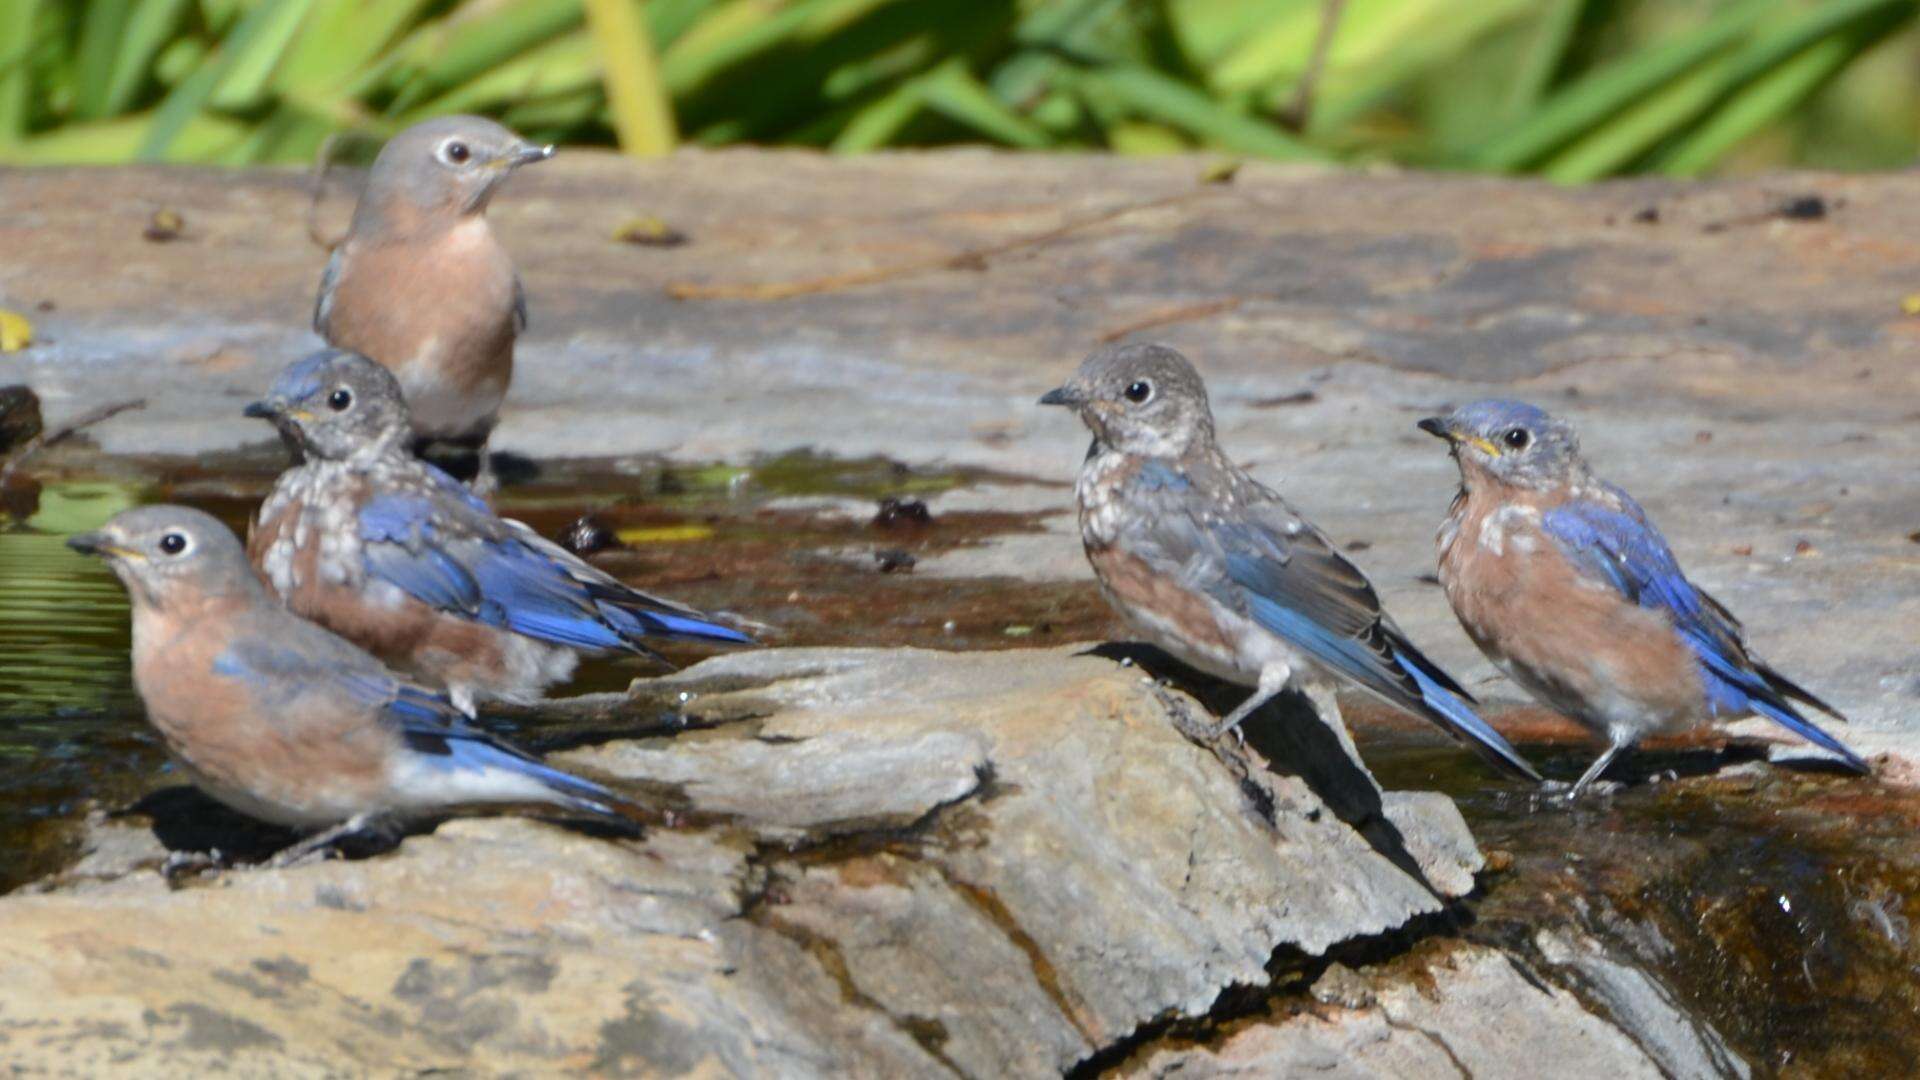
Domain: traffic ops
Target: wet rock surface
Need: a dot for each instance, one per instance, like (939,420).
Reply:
(892,862)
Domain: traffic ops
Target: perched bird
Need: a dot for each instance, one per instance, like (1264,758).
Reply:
(421,284)
(1569,589)
(1218,570)
(282,720)
(394,555)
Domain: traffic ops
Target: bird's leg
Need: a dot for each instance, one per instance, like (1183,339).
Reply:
(1273,679)
(317,844)
(486,483)
(1593,771)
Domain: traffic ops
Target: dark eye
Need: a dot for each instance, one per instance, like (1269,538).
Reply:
(1517,438)
(457,152)
(1139,391)
(340,400)
(173,543)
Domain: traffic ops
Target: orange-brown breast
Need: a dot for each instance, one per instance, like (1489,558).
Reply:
(1570,639)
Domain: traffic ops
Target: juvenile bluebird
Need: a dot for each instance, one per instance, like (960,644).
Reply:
(394,555)
(421,284)
(1218,570)
(286,722)
(1565,584)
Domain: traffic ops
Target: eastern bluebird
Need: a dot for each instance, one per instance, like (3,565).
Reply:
(1218,570)
(421,284)
(394,555)
(286,722)
(1569,589)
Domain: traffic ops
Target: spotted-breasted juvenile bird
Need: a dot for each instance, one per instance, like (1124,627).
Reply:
(1567,586)
(286,722)
(1218,570)
(421,284)
(391,553)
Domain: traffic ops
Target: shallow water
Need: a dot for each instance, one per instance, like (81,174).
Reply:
(789,542)
(1777,904)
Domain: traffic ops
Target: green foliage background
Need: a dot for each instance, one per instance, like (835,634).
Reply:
(1570,89)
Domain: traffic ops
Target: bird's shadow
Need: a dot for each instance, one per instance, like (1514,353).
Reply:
(187,821)
(1289,733)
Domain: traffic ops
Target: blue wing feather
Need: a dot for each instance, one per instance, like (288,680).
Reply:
(1624,549)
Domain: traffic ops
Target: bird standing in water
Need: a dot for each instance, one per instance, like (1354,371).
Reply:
(1566,585)
(421,284)
(285,722)
(1218,570)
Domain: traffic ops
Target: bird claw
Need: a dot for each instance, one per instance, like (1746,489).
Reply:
(183,864)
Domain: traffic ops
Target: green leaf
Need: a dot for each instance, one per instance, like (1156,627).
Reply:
(952,91)
(1611,90)
(257,28)
(19,20)
(642,111)
(1157,97)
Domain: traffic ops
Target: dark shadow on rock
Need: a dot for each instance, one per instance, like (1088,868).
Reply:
(186,819)
(1295,742)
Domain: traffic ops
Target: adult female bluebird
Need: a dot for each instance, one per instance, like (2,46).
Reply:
(394,555)
(421,284)
(286,722)
(1565,584)
(1218,570)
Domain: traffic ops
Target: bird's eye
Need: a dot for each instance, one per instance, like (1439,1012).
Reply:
(456,152)
(1517,438)
(340,400)
(173,543)
(1139,392)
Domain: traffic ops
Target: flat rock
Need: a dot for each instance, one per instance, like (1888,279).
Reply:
(896,862)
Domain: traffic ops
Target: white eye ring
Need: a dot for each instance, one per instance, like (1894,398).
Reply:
(456,152)
(175,544)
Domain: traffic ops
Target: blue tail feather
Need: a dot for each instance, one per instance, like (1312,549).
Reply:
(653,622)
(1463,719)
(479,753)
(1808,730)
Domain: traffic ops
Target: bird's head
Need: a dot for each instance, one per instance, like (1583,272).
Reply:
(335,403)
(1139,399)
(444,169)
(168,555)
(1510,442)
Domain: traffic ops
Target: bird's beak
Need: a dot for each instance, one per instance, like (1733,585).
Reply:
(1064,395)
(261,410)
(1438,426)
(528,154)
(99,543)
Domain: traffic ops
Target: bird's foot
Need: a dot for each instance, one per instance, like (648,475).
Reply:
(180,865)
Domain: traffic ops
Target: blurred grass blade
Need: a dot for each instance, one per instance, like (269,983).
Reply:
(243,84)
(339,41)
(559,66)
(118,141)
(1544,53)
(1592,101)
(952,91)
(642,112)
(880,121)
(1157,97)
(461,49)
(256,29)
(19,20)
(1780,83)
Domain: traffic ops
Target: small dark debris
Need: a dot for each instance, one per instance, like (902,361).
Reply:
(1359,545)
(1428,579)
(44,306)
(1703,437)
(1804,547)
(1647,215)
(893,560)
(19,416)
(649,232)
(164,226)
(1301,397)
(671,483)
(1804,208)
(1743,550)
(587,535)
(1914,536)
(902,514)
